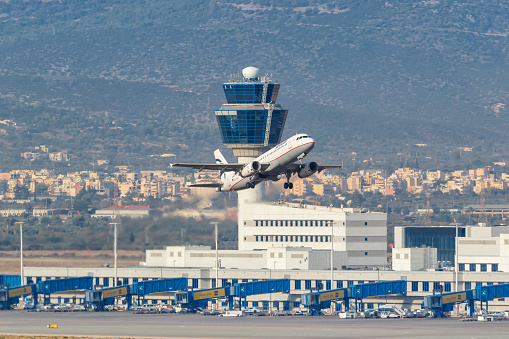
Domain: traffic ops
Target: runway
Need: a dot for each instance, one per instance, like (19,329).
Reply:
(126,324)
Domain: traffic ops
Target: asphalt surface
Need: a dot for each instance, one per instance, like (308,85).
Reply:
(127,324)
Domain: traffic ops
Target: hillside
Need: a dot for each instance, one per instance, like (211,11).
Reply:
(124,80)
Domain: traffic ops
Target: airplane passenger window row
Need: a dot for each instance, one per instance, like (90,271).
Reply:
(293,223)
(292,238)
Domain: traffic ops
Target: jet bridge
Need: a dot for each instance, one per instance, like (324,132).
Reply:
(10,280)
(106,296)
(316,301)
(378,289)
(243,290)
(10,295)
(49,287)
(100,298)
(441,303)
(199,298)
(444,302)
(143,288)
(491,292)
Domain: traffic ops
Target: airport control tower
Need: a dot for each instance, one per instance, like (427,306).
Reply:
(250,123)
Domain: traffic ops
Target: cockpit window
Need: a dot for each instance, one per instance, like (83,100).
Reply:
(302,137)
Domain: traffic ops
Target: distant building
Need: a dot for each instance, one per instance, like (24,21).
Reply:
(492,210)
(286,258)
(362,236)
(30,155)
(43,212)
(58,156)
(484,249)
(440,237)
(123,211)
(12,212)
(414,259)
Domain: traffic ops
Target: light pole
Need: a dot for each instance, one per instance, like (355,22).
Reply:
(21,254)
(331,224)
(21,250)
(115,251)
(456,259)
(270,293)
(217,254)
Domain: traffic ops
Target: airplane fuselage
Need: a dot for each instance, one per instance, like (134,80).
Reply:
(279,159)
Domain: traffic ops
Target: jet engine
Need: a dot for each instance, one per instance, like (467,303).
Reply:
(250,169)
(308,169)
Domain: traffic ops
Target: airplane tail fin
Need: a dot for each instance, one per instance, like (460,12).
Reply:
(220,159)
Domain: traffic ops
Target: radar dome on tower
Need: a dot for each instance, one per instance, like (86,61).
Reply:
(250,73)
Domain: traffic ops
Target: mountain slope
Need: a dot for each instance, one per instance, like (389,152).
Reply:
(127,79)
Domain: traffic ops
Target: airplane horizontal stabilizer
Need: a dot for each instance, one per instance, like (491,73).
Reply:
(321,168)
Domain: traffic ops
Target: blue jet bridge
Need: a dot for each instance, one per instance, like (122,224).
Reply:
(362,291)
(444,302)
(441,303)
(48,287)
(199,298)
(489,293)
(316,301)
(10,280)
(106,296)
(10,295)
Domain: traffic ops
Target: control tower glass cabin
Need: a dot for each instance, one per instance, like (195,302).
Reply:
(251,122)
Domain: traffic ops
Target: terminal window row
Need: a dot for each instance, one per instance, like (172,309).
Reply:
(469,285)
(320,284)
(482,267)
(292,238)
(443,286)
(292,223)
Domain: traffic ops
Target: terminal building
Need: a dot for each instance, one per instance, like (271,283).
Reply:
(288,258)
(359,240)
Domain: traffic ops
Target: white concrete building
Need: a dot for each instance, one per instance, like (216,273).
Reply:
(363,236)
(481,249)
(484,249)
(302,258)
(414,259)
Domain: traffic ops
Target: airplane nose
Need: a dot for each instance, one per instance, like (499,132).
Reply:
(311,144)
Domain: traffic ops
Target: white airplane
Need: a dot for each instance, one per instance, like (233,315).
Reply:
(277,161)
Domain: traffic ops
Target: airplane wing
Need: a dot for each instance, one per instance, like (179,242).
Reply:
(294,168)
(219,167)
(213,167)
(207,185)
